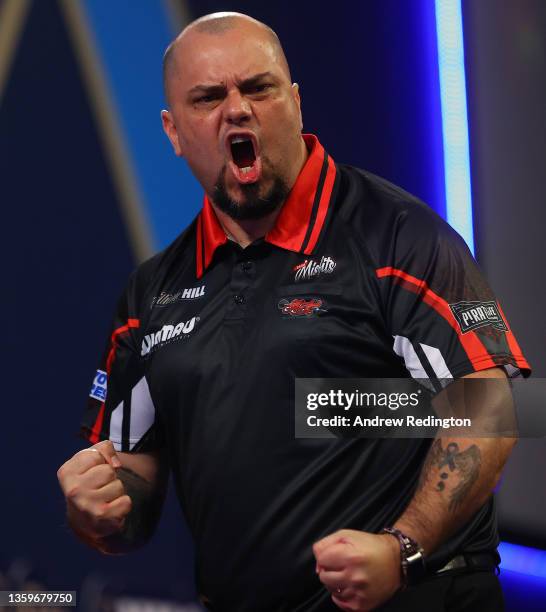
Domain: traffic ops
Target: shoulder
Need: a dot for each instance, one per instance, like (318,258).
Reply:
(386,218)
(370,197)
(153,272)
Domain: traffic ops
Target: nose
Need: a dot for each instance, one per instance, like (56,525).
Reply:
(237,108)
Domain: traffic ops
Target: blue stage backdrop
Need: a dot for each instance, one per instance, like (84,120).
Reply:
(90,187)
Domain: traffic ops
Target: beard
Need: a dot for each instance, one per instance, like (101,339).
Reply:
(254,206)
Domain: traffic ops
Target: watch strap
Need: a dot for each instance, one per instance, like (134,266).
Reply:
(412,557)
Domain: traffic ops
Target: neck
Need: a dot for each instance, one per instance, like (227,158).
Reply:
(246,232)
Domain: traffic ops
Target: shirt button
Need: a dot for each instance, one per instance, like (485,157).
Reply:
(239,299)
(246,266)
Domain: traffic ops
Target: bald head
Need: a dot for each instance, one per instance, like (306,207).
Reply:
(218,24)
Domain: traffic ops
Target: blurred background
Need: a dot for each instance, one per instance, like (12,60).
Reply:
(446,98)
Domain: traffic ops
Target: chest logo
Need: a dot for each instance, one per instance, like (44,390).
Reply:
(166,335)
(300,307)
(165,299)
(311,268)
(472,315)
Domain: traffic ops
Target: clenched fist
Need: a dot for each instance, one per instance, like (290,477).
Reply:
(361,570)
(97,502)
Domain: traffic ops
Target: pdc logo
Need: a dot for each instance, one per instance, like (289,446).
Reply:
(167,334)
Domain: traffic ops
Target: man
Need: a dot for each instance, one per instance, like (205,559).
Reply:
(201,364)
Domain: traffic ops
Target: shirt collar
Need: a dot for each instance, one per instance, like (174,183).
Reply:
(301,220)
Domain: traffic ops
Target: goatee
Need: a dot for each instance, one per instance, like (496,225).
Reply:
(254,205)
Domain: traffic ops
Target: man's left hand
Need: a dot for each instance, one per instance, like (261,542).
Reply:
(361,570)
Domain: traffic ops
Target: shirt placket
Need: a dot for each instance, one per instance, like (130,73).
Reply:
(241,288)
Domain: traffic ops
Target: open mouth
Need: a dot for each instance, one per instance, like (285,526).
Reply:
(242,151)
(246,165)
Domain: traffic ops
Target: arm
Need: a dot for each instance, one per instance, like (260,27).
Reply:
(458,476)
(113,499)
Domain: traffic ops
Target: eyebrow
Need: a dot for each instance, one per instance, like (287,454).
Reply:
(216,88)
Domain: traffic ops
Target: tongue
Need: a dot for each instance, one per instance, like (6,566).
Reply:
(248,173)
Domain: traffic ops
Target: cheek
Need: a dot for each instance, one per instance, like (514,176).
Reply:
(203,153)
(204,170)
(199,131)
(285,125)
(285,132)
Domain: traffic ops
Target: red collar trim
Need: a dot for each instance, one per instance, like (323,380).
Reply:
(210,236)
(301,220)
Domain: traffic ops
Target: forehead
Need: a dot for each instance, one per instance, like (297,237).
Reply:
(218,58)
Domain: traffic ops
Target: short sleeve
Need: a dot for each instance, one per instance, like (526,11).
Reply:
(120,407)
(441,313)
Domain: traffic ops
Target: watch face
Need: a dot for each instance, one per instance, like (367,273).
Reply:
(415,567)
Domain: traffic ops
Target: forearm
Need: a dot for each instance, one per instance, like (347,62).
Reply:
(138,525)
(457,478)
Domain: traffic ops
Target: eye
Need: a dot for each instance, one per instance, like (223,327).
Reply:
(206,99)
(260,88)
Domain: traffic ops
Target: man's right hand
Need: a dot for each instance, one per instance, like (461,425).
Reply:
(97,502)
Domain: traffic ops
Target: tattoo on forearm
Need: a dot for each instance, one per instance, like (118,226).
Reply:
(451,464)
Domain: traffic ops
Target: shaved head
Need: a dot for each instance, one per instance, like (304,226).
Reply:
(218,24)
(234,114)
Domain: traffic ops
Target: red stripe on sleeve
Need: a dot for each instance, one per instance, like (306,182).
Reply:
(131,323)
(471,343)
(94,435)
(517,353)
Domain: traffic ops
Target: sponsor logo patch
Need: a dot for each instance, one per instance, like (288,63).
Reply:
(98,390)
(166,335)
(311,268)
(165,299)
(472,315)
(300,307)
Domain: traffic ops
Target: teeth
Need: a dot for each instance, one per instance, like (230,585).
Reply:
(246,169)
(239,139)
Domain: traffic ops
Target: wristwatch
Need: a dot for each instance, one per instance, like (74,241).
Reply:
(412,557)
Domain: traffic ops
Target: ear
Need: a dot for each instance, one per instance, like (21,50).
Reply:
(169,128)
(297,99)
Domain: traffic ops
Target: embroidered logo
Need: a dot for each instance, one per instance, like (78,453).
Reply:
(167,334)
(310,268)
(300,307)
(98,390)
(472,315)
(165,299)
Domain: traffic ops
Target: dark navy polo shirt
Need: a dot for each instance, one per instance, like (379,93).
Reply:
(356,279)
